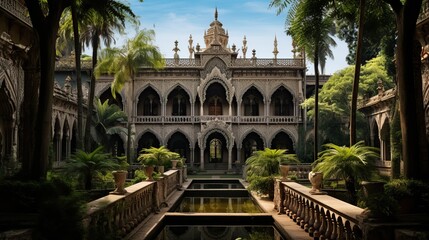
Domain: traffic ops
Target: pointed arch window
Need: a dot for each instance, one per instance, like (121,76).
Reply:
(251,106)
(150,106)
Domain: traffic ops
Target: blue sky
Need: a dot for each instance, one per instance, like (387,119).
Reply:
(177,19)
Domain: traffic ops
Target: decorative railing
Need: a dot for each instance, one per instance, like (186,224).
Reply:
(300,170)
(424,11)
(258,62)
(17,9)
(322,216)
(224,118)
(119,214)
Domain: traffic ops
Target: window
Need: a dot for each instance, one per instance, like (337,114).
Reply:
(215,151)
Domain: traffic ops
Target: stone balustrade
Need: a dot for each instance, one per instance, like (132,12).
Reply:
(322,216)
(224,118)
(119,214)
(300,170)
(258,62)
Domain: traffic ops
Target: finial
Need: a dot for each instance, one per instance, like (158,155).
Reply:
(191,47)
(216,14)
(244,47)
(276,51)
(176,49)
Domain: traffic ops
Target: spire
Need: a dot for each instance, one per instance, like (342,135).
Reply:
(276,51)
(216,14)
(244,47)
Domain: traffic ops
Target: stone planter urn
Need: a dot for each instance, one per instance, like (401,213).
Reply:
(372,188)
(284,170)
(160,169)
(174,164)
(149,172)
(119,177)
(316,179)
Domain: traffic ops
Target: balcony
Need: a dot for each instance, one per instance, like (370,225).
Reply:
(224,118)
(17,9)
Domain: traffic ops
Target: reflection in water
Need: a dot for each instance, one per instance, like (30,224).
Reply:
(218,205)
(218,232)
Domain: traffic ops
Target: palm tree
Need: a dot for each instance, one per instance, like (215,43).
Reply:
(161,155)
(100,26)
(86,165)
(263,165)
(266,162)
(106,123)
(352,164)
(124,63)
(311,29)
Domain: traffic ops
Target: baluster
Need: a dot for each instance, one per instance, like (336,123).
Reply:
(314,230)
(334,234)
(341,229)
(293,205)
(357,232)
(310,221)
(324,224)
(304,214)
(328,232)
(286,201)
(349,231)
(297,218)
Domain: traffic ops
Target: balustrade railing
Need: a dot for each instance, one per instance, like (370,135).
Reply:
(224,118)
(119,214)
(258,62)
(16,9)
(322,216)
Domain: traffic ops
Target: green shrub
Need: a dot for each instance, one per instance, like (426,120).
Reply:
(262,185)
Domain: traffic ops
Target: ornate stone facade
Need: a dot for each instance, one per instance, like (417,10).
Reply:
(15,41)
(213,108)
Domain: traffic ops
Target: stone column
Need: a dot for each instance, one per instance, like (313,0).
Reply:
(239,154)
(230,158)
(201,158)
(191,160)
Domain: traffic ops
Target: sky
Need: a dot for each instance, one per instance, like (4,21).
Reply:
(178,19)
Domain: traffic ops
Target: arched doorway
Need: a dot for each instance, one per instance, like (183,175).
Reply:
(147,140)
(216,152)
(252,104)
(215,99)
(282,102)
(178,103)
(179,143)
(252,142)
(385,141)
(149,103)
(282,140)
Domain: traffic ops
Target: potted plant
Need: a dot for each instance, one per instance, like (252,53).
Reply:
(262,166)
(149,162)
(285,161)
(175,159)
(120,176)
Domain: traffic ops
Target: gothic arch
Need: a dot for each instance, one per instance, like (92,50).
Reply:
(216,126)
(146,86)
(288,133)
(247,132)
(253,84)
(275,88)
(216,76)
(215,62)
(106,91)
(178,130)
(172,88)
(152,132)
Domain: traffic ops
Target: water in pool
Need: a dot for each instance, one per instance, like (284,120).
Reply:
(215,232)
(217,205)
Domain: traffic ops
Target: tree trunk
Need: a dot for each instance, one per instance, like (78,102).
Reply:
(395,139)
(29,108)
(95,45)
(414,142)
(78,51)
(47,29)
(355,89)
(316,103)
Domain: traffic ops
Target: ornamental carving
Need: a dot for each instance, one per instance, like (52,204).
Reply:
(218,76)
(216,126)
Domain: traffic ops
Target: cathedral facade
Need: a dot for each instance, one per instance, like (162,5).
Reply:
(213,107)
